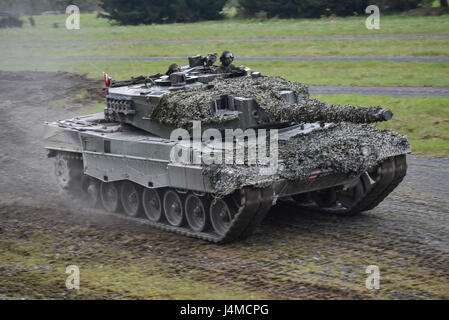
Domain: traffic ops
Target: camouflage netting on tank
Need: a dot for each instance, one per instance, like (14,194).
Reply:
(337,148)
(179,108)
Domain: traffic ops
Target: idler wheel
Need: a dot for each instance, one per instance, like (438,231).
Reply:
(152,204)
(349,197)
(110,196)
(91,189)
(220,216)
(196,215)
(174,210)
(130,196)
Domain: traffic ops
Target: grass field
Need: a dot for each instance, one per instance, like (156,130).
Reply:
(312,73)
(425,120)
(95,29)
(27,43)
(343,48)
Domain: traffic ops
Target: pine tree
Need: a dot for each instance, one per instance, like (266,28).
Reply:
(133,12)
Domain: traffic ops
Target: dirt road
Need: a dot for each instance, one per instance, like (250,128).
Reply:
(293,255)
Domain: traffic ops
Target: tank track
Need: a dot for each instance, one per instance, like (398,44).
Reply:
(253,204)
(400,170)
(252,207)
(390,174)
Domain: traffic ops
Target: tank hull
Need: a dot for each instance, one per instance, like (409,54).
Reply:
(111,154)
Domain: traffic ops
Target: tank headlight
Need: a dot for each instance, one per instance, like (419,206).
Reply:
(365,150)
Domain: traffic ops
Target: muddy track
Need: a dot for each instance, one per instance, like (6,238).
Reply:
(292,255)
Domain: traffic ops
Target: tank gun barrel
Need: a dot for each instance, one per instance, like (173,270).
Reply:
(314,110)
(357,114)
(383,115)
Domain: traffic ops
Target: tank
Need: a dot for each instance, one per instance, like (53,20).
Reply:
(206,154)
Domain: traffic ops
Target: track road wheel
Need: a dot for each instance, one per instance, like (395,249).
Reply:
(152,204)
(221,215)
(91,188)
(110,196)
(173,208)
(130,196)
(196,212)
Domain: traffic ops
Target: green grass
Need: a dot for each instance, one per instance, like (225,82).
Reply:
(91,108)
(97,29)
(358,73)
(313,73)
(331,73)
(343,73)
(344,48)
(424,120)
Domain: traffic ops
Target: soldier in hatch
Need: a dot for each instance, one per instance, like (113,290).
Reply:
(172,69)
(227,67)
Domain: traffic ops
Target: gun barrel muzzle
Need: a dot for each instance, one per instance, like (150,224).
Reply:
(384,115)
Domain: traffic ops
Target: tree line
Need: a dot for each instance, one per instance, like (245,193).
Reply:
(159,11)
(134,12)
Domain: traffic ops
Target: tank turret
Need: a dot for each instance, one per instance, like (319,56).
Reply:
(161,104)
(256,101)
